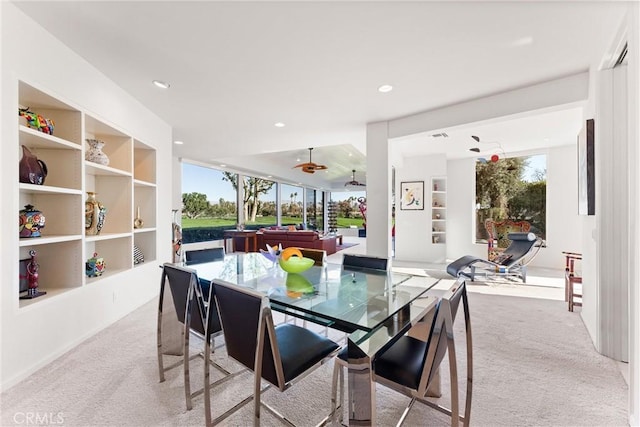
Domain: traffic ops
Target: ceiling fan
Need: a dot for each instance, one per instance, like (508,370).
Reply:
(353,181)
(310,167)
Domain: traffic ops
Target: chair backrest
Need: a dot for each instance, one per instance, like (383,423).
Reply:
(180,282)
(359,262)
(521,245)
(245,314)
(318,256)
(199,256)
(441,330)
(499,230)
(188,299)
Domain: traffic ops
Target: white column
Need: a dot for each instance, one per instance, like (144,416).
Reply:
(378,190)
(612,214)
(240,199)
(634,214)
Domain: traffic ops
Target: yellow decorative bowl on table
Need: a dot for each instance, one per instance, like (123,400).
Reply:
(292,261)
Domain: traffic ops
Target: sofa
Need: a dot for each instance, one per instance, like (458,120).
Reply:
(299,238)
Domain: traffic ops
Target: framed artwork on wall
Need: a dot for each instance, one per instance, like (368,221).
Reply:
(412,195)
(586,170)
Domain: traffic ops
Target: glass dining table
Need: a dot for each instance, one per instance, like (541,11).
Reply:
(374,308)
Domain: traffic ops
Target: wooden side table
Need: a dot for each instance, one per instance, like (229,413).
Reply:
(250,239)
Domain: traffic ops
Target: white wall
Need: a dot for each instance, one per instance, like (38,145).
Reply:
(564,232)
(35,335)
(413,227)
(461,180)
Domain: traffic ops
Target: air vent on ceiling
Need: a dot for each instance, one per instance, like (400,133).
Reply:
(440,135)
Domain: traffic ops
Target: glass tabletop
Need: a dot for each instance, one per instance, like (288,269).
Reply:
(344,299)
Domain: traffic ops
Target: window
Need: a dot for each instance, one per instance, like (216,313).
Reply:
(348,208)
(291,204)
(315,220)
(512,188)
(259,202)
(208,203)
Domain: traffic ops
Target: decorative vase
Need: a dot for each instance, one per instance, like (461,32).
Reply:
(94,213)
(32,275)
(32,170)
(95,266)
(138,222)
(94,153)
(31,222)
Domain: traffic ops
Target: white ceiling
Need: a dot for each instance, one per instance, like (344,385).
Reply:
(236,68)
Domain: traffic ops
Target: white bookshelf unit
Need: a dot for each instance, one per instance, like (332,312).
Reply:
(438,210)
(126,183)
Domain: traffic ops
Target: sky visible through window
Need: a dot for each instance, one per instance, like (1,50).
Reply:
(536,163)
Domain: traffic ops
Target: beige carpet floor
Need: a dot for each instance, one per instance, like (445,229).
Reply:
(534,366)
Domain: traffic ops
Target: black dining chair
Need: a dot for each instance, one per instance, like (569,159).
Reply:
(281,354)
(364,262)
(192,311)
(410,365)
(319,256)
(199,256)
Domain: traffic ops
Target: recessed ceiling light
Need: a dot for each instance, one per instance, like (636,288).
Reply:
(298,159)
(385,88)
(223,166)
(269,176)
(350,154)
(279,125)
(178,142)
(161,84)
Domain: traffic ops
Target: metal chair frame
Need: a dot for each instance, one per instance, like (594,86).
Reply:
(194,301)
(571,278)
(471,267)
(441,335)
(266,327)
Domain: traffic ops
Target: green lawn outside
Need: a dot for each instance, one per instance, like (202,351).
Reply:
(347,222)
(266,220)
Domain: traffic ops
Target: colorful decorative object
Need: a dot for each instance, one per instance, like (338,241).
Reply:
(94,215)
(32,170)
(32,278)
(176,237)
(362,205)
(495,158)
(95,266)
(31,221)
(94,152)
(272,253)
(36,121)
(138,222)
(292,261)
